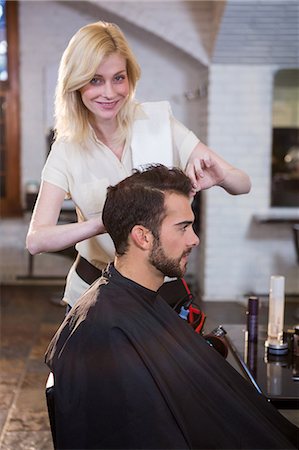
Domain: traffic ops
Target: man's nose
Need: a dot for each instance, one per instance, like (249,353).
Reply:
(194,239)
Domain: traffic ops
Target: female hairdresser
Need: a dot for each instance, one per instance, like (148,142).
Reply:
(102,133)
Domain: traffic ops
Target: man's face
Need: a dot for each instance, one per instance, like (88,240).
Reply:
(176,239)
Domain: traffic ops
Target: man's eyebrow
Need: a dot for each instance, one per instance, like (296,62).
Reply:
(184,223)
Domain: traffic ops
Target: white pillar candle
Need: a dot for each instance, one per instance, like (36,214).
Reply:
(276,309)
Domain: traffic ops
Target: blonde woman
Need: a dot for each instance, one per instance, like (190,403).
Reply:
(102,133)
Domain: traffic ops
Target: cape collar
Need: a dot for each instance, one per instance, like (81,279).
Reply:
(116,277)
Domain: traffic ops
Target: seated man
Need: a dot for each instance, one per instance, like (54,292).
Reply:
(129,372)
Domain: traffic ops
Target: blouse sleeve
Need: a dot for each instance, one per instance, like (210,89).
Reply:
(184,142)
(55,169)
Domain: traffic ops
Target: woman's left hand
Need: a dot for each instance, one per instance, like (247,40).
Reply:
(204,172)
(205,168)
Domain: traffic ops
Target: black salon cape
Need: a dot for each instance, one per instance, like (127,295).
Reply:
(131,374)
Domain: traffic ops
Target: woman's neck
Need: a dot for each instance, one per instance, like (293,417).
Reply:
(106,132)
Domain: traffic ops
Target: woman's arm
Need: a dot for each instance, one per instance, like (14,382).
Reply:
(206,169)
(44,235)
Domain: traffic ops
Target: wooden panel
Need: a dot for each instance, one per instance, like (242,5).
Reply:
(10,204)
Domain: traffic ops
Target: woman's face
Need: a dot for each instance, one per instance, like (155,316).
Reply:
(106,93)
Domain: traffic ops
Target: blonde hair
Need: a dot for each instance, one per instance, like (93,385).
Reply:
(84,53)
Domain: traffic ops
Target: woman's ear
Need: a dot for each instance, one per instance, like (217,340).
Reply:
(141,237)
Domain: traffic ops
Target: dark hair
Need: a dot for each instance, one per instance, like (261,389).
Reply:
(139,200)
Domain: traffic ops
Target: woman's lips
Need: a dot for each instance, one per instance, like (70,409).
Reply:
(107,105)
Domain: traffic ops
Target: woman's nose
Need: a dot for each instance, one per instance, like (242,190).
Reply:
(108,90)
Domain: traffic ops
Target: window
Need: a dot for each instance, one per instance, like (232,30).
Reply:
(10,204)
(285,139)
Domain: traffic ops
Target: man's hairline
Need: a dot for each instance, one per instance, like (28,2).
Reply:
(166,193)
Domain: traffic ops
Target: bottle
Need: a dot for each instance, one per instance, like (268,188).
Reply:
(252,318)
(216,339)
(251,334)
(184,312)
(296,341)
(275,341)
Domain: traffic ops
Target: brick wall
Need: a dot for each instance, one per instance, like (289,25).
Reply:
(240,254)
(255,39)
(259,32)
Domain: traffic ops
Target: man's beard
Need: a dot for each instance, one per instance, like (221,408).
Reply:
(170,267)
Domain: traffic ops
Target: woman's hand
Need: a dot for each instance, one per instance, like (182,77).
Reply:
(204,173)
(206,169)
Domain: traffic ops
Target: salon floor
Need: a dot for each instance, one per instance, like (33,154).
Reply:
(29,319)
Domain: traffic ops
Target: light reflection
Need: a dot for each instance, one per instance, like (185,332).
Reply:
(3,43)
(3,75)
(3,47)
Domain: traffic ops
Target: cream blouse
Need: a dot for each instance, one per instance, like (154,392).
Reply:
(84,173)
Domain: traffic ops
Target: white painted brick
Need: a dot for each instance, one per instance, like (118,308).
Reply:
(237,249)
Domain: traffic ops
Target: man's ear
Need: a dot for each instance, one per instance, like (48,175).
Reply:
(141,237)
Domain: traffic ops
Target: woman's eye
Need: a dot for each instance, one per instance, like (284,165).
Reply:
(119,78)
(95,81)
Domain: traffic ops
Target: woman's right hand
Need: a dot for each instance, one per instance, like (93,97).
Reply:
(45,235)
